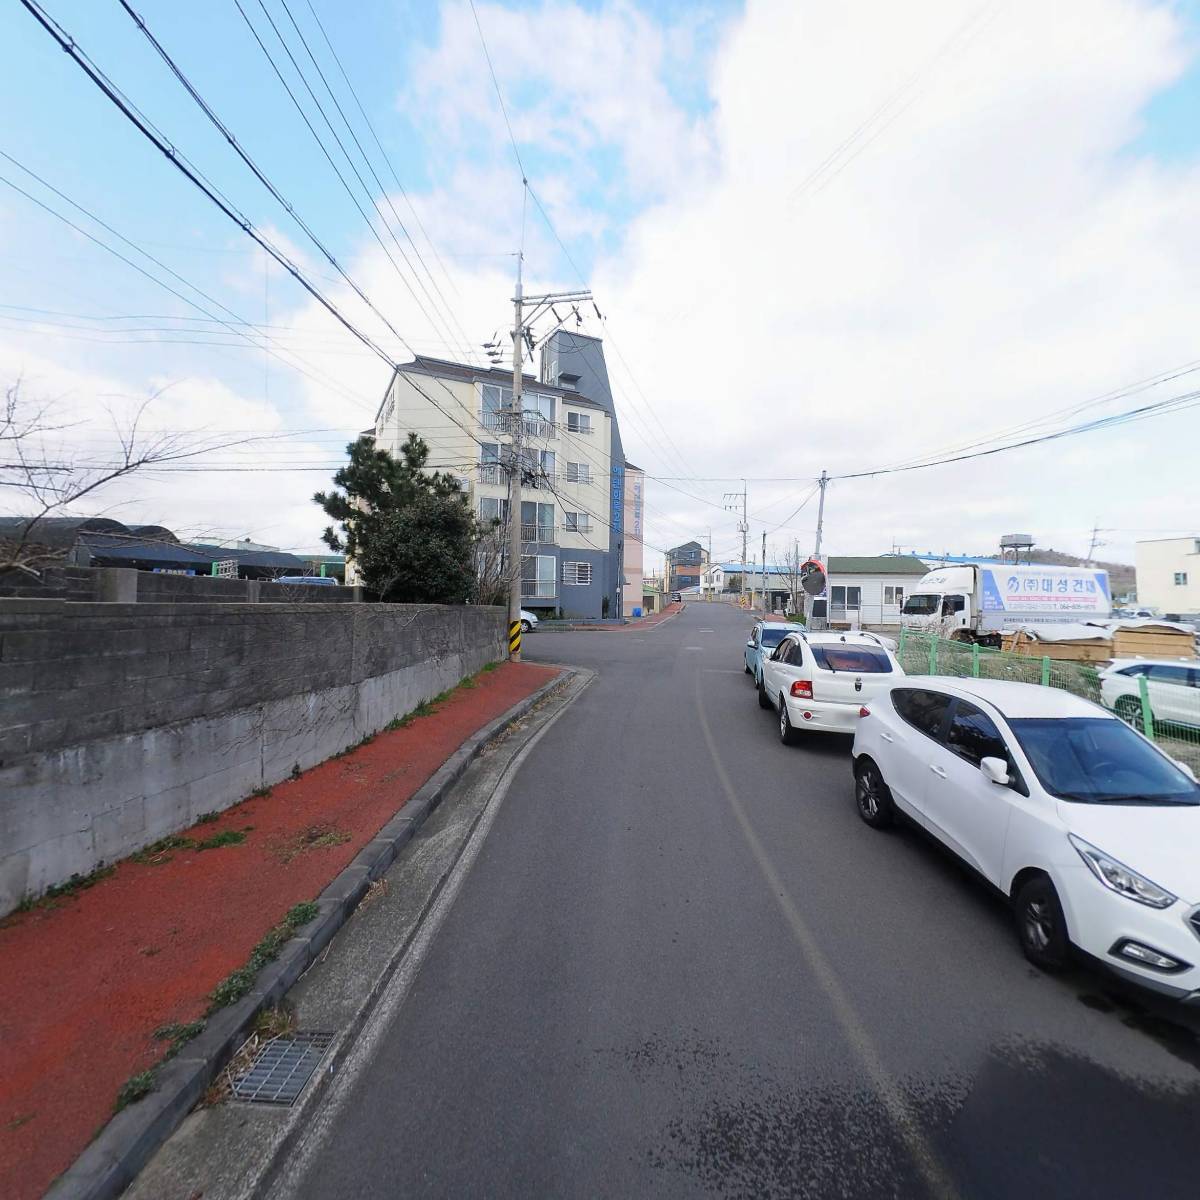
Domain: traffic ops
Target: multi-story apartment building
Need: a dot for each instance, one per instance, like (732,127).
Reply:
(685,566)
(571,464)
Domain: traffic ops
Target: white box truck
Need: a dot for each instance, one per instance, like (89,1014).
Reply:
(975,602)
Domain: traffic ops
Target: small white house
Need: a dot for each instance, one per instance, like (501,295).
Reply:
(861,591)
(871,590)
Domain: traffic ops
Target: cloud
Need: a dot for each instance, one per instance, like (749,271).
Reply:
(823,236)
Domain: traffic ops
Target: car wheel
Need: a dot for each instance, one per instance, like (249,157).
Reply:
(1041,926)
(1129,708)
(525,626)
(872,795)
(764,701)
(789,735)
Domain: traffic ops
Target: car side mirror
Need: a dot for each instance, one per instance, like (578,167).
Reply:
(750,643)
(995,770)
(1187,770)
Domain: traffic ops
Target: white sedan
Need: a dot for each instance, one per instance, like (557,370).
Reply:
(820,680)
(1089,828)
(528,621)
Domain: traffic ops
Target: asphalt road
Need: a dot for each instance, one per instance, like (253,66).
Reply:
(681,965)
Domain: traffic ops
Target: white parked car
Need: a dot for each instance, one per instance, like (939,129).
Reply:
(1172,687)
(764,637)
(821,680)
(528,621)
(1090,830)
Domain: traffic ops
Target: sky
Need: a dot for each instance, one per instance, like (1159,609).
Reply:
(823,237)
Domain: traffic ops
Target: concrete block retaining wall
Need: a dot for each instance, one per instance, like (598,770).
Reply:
(121,723)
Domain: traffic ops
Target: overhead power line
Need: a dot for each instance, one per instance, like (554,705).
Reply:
(176,158)
(1172,404)
(232,325)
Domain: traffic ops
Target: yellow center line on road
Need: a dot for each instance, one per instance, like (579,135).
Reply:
(894,1101)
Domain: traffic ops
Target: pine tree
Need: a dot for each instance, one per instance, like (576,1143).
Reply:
(409,530)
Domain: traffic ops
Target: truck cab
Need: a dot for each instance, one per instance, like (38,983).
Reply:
(943,602)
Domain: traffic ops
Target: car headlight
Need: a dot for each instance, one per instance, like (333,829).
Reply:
(1117,877)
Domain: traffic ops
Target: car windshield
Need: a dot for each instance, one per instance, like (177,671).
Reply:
(1100,760)
(921,606)
(863,660)
(772,635)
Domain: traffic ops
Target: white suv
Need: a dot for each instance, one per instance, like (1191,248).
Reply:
(1172,687)
(821,680)
(1086,825)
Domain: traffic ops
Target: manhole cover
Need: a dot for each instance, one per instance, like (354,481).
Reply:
(280,1070)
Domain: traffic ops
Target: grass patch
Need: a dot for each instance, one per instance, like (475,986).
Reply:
(207,818)
(72,887)
(135,1088)
(160,852)
(227,837)
(428,707)
(233,987)
(315,837)
(260,793)
(178,1035)
(274,1022)
(19,1120)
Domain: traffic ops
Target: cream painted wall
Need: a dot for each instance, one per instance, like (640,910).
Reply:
(1157,563)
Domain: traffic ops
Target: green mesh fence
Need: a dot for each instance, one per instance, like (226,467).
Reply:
(1165,705)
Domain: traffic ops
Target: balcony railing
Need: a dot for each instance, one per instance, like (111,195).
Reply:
(541,589)
(491,472)
(580,477)
(532,426)
(574,429)
(537,533)
(578,527)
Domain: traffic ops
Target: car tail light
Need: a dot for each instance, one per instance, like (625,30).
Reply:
(802,689)
(864,711)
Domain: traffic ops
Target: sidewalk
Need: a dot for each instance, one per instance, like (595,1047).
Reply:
(88,978)
(646,622)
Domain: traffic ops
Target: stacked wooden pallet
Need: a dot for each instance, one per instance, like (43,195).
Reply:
(1096,647)
(1152,641)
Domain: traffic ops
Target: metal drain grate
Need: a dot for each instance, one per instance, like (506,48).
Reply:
(281,1069)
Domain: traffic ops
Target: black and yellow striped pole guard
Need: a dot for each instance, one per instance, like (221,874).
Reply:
(514,639)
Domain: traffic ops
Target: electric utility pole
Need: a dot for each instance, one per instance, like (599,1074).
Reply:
(823,483)
(764,571)
(516,418)
(743,525)
(526,309)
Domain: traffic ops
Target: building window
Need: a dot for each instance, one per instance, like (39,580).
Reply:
(579,422)
(577,522)
(579,473)
(1181,579)
(893,596)
(577,573)
(492,509)
(537,521)
(537,575)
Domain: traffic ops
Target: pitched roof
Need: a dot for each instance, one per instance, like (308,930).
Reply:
(440,368)
(882,564)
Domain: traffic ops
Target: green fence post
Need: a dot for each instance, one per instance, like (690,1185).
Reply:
(933,654)
(974,660)
(1147,715)
(1045,670)
(903,642)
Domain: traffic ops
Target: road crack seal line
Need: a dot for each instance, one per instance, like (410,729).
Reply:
(895,1103)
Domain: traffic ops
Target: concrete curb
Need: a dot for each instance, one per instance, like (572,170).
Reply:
(109,1164)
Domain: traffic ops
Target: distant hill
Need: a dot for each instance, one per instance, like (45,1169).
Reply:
(1121,576)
